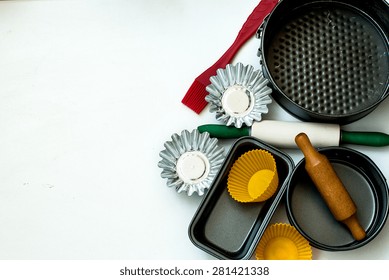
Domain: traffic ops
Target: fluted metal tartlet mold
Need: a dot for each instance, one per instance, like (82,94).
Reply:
(190,161)
(228,88)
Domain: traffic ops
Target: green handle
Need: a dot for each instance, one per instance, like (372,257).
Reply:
(376,139)
(222,131)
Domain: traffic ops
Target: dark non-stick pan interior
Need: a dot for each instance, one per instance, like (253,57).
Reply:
(328,60)
(364,182)
(228,229)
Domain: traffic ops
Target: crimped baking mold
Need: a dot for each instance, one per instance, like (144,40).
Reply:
(238,95)
(190,161)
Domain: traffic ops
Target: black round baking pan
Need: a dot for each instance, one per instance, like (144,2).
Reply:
(310,215)
(327,61)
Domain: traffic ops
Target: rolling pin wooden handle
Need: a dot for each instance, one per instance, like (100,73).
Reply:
(356,230)
(310,153)
(330,186)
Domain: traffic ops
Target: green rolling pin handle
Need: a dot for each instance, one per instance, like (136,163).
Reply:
(375,139)
(222,131)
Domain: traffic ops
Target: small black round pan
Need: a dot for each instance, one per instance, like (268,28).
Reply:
(366,185)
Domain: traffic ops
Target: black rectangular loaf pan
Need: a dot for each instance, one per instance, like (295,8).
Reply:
(226,228)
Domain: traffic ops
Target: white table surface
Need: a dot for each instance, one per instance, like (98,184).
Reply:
(89,92)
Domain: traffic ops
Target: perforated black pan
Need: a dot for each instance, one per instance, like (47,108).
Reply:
(327,61)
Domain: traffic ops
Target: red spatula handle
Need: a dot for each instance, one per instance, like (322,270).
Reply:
(248,29)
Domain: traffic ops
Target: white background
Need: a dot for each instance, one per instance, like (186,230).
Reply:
(89,92)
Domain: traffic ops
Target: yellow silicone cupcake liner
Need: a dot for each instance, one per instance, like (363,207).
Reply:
(253,177)
(283,242)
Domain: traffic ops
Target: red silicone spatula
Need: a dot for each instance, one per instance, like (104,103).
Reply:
(195,97)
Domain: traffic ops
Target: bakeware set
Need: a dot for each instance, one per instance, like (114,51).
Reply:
(324,62)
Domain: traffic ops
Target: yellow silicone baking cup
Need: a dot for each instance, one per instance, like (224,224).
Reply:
(283,242)
(253,177)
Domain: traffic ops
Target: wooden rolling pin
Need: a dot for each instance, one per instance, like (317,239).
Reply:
(330,187)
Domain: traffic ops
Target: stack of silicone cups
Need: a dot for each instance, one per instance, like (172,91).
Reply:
(283,242)
(253,177)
